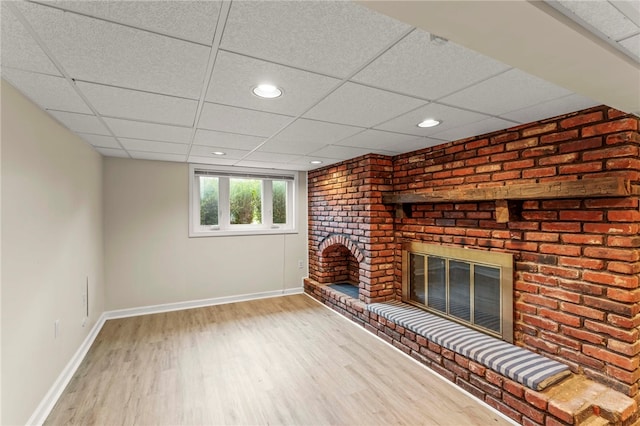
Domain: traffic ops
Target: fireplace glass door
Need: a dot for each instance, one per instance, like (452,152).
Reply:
(464,290)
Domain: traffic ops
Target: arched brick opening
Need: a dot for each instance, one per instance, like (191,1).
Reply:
(338,260)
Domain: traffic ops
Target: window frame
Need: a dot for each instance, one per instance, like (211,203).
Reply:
(224,227)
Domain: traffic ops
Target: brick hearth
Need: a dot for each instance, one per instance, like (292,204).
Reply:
(577,260)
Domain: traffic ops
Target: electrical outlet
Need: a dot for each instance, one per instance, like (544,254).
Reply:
(56,328)
(300,264)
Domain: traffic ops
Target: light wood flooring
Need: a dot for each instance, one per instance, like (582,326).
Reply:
(286,360)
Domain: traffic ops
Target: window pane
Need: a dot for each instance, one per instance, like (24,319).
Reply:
(208,200)
(487,297)
(416,278)
(437,289)
(245,199)
(460,290)
(279,201)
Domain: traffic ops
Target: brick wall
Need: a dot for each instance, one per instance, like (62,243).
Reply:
(345,209)
(577,293)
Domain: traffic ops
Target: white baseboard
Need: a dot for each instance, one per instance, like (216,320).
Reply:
(46,405)
(179,306)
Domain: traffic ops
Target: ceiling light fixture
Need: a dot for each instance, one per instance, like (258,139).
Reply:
(219,153)
(429,122)
(315,162)
(267,91)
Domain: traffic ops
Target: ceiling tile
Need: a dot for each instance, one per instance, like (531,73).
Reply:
(82,123)
(207,151)
(226,140)
(632,44)
(363,106)
(100,141)
(291,146)
(488,125)
(264,165)
(394,142)
(242,121)
(341,152)
(271,157)
(189,20)
(304,163)
(149,131)
(448,116)
(18,48)
(135,105)
(50,92)
(117,55)
(234,76)
(154,146)
(210,160)
(331,37)
(316,132)
(157,156)
(550,109)
(506,92)
(429,69)
(110,152)
(603,16)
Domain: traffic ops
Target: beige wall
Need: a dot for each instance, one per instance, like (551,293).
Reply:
(51,241)
(150,260)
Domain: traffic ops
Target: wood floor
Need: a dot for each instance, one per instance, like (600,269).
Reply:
(286,360)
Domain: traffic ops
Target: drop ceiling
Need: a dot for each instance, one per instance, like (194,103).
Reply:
(172,80)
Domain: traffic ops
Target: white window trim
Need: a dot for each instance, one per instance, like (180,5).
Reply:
(225,229)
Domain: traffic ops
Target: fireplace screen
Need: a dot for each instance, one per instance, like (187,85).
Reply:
(472,287)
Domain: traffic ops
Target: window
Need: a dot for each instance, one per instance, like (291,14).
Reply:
(232,201)
(468,286)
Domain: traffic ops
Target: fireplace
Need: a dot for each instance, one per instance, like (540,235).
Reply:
(471,287)
(560,196)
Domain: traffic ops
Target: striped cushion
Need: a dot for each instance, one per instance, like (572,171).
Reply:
(532,370)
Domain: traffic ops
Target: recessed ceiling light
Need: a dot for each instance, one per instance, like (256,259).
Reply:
(268,91)
(315,162)
(429,122)
(219,153)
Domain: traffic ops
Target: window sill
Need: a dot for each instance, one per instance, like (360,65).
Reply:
(239,233)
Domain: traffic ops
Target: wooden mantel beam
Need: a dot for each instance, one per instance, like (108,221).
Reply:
(585,188)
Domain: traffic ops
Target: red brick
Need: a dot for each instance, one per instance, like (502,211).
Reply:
(558,249)
(612,330)
(581,119)
(558,159)
(606,153)
(624,137)
(629,377)
(608,357)
(623,216)
(611,279)
(582,334)
(613,228)
(539,129)
(582,239)
(559,136)
(537,399)
(504,409)
(625,348)
(539,172)
(582,311)
(560,317)
(612,254)
(580,168)
(524,408)
(611,127)
(617,241)
(580,262)
(560,294)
